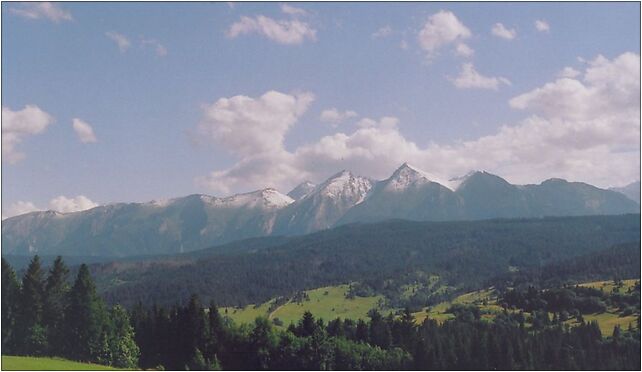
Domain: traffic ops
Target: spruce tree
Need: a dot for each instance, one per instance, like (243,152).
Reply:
(55,301)
(30,332)
(10,295)
(85,319)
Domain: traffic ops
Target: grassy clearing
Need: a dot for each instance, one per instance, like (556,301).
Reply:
(486,300)
(327,303)
(18,363)
(608,285)
(608,320)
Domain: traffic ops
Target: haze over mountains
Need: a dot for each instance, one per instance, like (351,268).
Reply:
(200,221)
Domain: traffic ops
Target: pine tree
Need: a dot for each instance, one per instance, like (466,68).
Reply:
(31,334)
(86,319)
(10,296)
(55,301)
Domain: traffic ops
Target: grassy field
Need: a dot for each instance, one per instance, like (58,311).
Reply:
(17,363)
(608,286)
(327,303)
(608,320)
(486,300)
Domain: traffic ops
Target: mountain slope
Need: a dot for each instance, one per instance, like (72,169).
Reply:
(171,226)
(631,191)
(324,206)
(408,194)
(198,221)
(462,253)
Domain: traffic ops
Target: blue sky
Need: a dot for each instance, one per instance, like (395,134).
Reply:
(167,118)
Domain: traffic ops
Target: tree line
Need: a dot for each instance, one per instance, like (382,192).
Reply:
(43,315)
(193,337)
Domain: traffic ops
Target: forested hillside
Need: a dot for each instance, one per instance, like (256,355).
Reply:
(462,254)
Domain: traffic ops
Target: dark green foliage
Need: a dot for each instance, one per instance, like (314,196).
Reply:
(570,300)
(10,297)
(193,337)
(396,343)
(463,254)
(30,332)
(55,299)
(86,320)
(619,261)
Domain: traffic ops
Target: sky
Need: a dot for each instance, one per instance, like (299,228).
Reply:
(132,102)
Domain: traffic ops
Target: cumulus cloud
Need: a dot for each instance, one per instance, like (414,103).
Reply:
(469,78)
(501,31)
(60,204)
(16,125)
(64,204)
(248,125)
(159,48)
(542,26)
(568,72)
(84,131)
(464,50)
(18,208)
(42,10)
(121,40)
(584,129)
(382,32)
(293,11)
(441,29)
(335,117)
(287,32)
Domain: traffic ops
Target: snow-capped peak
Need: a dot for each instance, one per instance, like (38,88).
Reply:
(265,198)
(407,175)
(302,190)
(345,185)
(455,182)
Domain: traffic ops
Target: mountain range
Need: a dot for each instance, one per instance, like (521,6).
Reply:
(200,221)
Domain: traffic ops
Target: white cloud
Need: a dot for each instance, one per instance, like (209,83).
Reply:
(335,117)
(382,32)
(18,208)
(248,125)
(121,40)
(60,204)
(287,32)
(464,50)
(568,72)
(469,78)
(542,26)
(160,49)
(42,10)
(441,29)
(84,131)
(500,30)
(583,130)
(293,11)
(16,125)
(63,204)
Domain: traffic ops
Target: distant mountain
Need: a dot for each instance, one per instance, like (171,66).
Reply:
(169,226)
(631,191)
(198,221)
(302,190)
(408,194)
(324,206)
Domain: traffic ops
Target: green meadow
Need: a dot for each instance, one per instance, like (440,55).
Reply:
(19,363)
